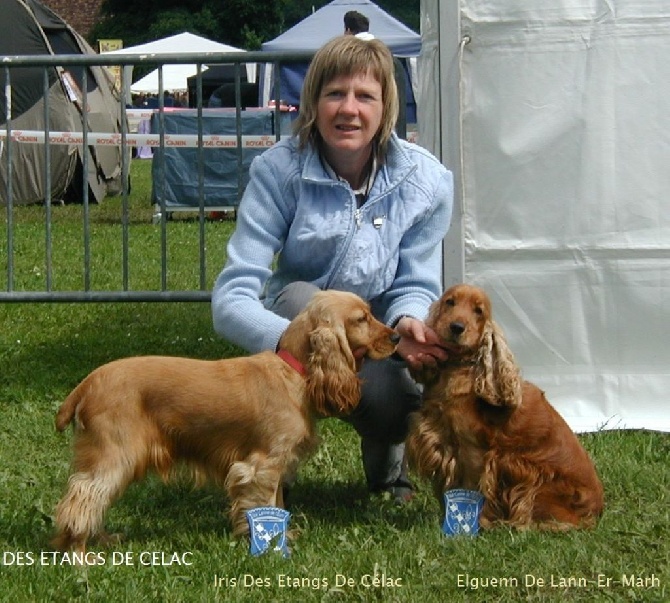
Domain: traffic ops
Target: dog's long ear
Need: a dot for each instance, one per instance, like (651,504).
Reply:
(497,376)
(332,383)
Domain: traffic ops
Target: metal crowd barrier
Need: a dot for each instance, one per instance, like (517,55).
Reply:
(126,139)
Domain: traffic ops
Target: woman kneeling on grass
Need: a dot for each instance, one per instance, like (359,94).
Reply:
(345,204)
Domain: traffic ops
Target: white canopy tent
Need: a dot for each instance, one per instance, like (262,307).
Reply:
(175,75)
(554,121)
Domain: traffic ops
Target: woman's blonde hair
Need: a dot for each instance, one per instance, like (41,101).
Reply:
(346,56)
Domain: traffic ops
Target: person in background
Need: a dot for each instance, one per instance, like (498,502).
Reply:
(357,24)
(345,204)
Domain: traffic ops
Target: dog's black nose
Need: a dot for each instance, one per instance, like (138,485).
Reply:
(456,328)
(395,338)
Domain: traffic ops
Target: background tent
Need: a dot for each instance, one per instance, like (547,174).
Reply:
(327,22)
(554,120)
(219,88)
(30,28)
(175,76)
(324,24)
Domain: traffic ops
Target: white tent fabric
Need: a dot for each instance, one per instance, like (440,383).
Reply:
(174,78)
(185,42)
(554,121)
(176,75)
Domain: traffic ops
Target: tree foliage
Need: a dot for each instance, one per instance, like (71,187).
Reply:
(406,11)
(241,23)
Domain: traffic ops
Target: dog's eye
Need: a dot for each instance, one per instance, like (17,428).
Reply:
(362,319)
(451,302)
(478,310)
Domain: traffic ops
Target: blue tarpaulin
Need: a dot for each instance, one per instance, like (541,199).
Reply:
(224,178)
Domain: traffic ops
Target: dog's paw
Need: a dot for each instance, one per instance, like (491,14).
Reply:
(110,540)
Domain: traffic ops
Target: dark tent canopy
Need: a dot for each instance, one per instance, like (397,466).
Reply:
(328,22)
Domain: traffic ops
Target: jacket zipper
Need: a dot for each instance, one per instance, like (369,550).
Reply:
(358,219)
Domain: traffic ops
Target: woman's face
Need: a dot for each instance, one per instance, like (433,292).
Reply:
(349,113)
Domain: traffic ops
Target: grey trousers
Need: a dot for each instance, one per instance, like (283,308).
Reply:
(388,396)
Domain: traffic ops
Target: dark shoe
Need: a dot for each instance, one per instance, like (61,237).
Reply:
(401,491)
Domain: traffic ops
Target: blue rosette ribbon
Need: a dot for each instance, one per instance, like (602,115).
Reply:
(268,530)
(462,509)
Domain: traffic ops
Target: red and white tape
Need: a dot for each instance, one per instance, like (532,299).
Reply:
(139,140)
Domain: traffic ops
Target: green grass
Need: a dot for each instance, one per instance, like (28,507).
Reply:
(106,239)
(344,534)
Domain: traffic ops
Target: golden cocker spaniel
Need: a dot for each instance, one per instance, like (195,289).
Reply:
(243,422)
(483,428)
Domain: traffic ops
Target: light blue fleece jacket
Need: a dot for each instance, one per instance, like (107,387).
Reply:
(295,222)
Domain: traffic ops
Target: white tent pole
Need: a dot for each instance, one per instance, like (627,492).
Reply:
(448,145)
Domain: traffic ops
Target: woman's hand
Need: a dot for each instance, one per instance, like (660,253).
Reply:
(419,345)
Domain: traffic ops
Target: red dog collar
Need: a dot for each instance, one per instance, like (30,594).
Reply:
(292,361)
